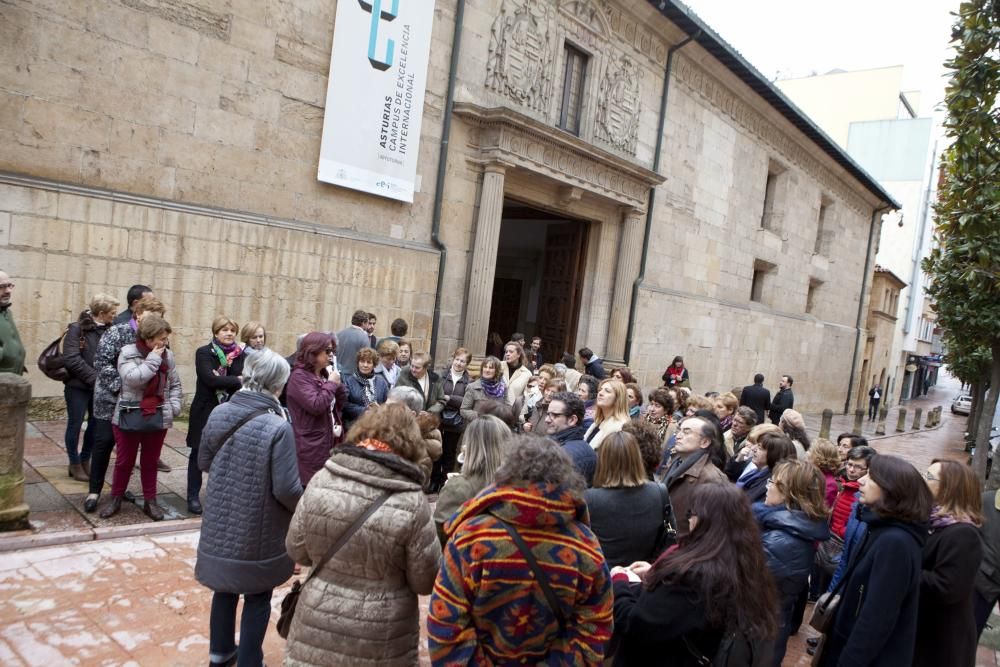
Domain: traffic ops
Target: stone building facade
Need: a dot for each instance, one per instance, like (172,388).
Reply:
(176,144)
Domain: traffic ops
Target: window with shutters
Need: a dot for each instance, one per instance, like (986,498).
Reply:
(574,78)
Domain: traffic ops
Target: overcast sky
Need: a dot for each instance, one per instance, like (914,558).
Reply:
(792,38)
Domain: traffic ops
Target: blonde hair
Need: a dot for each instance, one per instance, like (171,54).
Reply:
(103,303)
(729,400)
(695,403)
(825,455)
(388,348)
(803,486)
(149,304)
(485,444)
(620,407)
(249,330)
(619,462)
(220,322)
(759,430)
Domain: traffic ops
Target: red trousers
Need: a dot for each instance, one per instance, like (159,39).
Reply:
(127,445)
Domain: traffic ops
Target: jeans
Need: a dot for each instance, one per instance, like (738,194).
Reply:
(194,475)
(104,443)
(79,402)
(129,444)
(785,629)
(253,627)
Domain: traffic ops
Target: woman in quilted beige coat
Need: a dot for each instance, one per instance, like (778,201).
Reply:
(361,608)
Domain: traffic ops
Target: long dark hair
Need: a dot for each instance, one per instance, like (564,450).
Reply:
(722,559)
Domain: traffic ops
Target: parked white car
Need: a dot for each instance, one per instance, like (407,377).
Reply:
(962,405)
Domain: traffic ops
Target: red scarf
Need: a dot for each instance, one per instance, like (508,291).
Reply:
(151,399)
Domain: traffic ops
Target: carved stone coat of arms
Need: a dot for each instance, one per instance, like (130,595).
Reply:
(618,105)
(520,58)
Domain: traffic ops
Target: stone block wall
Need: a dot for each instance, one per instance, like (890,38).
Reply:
(62,248)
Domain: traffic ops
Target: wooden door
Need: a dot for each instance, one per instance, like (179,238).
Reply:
(504,312)
(562,282)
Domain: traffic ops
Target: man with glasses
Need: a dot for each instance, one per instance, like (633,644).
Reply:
(697,441)
(564,424)
(11,347)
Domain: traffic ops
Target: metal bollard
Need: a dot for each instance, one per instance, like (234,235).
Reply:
(901,424)
(916,418)
(880,426)
(824,426)
(859,421)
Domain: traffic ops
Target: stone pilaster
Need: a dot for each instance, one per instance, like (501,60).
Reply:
(479,295)
(629,251)
(15,392)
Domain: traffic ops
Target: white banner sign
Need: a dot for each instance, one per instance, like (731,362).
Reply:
(375,98)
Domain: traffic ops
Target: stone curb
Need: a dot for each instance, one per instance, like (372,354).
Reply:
(22,540)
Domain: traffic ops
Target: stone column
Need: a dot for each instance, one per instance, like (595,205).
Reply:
(859,420)
(629,250)
(479,295)
(883,414)
(824,427)
(901,423)
(916,418)
(15,392)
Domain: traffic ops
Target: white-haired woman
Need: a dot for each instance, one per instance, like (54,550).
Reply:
(253,489)
(484,447)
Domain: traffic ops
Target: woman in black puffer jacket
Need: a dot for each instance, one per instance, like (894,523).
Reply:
(79,348)
(792,519)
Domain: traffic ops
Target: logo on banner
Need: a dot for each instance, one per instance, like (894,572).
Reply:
(378,14)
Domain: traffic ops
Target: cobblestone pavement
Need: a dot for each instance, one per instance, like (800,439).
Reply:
(132,600)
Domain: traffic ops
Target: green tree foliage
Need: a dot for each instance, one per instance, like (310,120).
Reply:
(965,267)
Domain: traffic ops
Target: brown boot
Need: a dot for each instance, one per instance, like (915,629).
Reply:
(112,508)
(152,510)
(77,473)
(86,467)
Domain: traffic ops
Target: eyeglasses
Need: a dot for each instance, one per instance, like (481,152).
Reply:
(6,286)
(930,478)
(553,415)
(857,466)
(329,350)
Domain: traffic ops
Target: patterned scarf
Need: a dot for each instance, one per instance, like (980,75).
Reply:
(494,388)
(367,386)
(661,424)
(726,422)
(942,519)
(375,445)
(151,399)
(225,354)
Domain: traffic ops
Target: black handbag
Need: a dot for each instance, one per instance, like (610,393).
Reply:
(130,418)
(666,536)
(291,601)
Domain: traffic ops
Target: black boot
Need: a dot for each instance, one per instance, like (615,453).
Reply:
(112,508)
(194,506)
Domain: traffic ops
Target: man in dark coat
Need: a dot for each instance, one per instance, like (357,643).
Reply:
(135,292)
(757,397)
(592,363)
(564,423)
(783,400)
(874,398)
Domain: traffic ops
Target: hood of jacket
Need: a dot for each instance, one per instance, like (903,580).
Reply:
(537,505)
(379,469)
(87,323)
(793,522)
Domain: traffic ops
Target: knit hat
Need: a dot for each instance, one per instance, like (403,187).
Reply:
(794,419)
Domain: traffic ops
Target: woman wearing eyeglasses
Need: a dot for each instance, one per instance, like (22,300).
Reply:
(792,520)
(946,623)
(315,400)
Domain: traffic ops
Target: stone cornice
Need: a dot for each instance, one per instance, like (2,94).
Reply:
(511,138)
(720,97)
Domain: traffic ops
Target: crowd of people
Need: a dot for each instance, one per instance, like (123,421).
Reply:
(554,515)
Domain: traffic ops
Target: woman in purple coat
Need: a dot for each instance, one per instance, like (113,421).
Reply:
(315,399)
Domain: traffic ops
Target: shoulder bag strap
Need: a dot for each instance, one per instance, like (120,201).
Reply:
(540,577)
(231,432)
(346,535)
(669,520)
